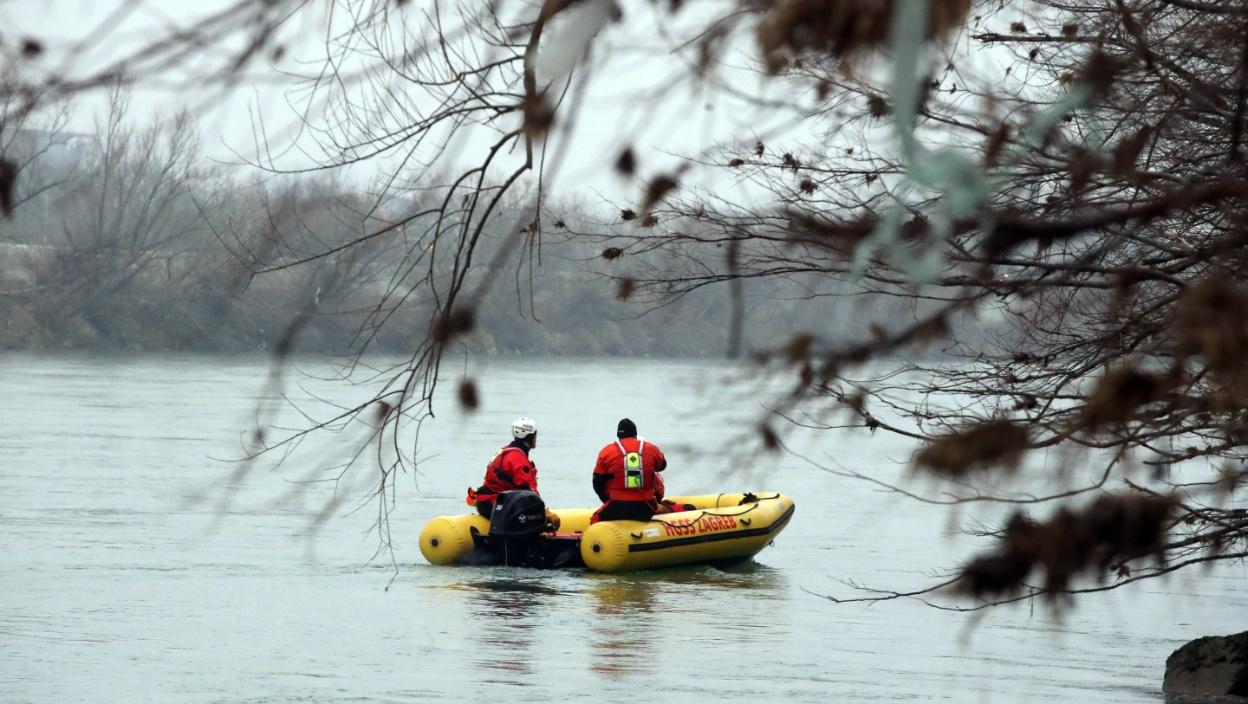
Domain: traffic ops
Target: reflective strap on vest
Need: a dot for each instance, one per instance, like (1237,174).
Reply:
(634,476)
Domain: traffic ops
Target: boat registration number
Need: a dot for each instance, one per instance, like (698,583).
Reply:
(705,524)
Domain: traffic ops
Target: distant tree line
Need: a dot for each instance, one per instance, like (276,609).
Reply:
(126,239)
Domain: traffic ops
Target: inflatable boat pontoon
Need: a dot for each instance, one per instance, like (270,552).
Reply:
(722,528)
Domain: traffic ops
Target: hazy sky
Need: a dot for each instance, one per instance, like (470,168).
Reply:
(630,58)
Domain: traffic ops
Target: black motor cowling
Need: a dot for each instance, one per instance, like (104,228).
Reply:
(517,515)
(517,535)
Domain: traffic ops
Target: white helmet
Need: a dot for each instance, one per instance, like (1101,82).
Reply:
(523,427)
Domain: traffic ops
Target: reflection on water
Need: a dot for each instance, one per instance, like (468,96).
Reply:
(615,625)
(504,616)
(633,610)
(623,623)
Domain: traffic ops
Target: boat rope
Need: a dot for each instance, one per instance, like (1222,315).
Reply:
(703,514)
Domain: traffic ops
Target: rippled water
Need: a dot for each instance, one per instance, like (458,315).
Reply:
(123,581)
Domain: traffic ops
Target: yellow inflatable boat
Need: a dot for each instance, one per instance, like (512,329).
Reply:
(721,528)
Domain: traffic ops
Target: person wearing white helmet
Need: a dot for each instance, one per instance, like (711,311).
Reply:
(510,469)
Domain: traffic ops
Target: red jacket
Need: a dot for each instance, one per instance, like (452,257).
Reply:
(611,474)
(510,469)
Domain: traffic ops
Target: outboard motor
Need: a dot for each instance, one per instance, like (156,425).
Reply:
(517,514)
(518,519)
(518,535)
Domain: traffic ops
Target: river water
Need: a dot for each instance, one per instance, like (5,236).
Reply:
(139,564)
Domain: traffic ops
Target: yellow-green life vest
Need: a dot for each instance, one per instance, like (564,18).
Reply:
(634,472)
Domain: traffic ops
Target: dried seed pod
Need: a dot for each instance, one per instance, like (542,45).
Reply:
(469,399)
(626,163)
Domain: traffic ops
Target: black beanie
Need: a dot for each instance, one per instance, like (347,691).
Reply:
(626,429)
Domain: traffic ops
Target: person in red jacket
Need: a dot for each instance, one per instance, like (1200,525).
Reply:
(626,477)
(510,469)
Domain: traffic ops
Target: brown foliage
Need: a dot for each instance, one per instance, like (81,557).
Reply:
(798,348)
(1212,322)
(455,323)
(1230,479)
(993,575)
(383,411)
(469,400)
(657,190)
(626,163)
(839,237)
(994,443)
(930,330)
(996,143)
(1100,71)
(1119,393)
(877,106)
(1104,535)
(1128,150)
(840,28)
(1082,165)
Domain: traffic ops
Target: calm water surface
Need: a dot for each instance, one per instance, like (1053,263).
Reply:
(135,567)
